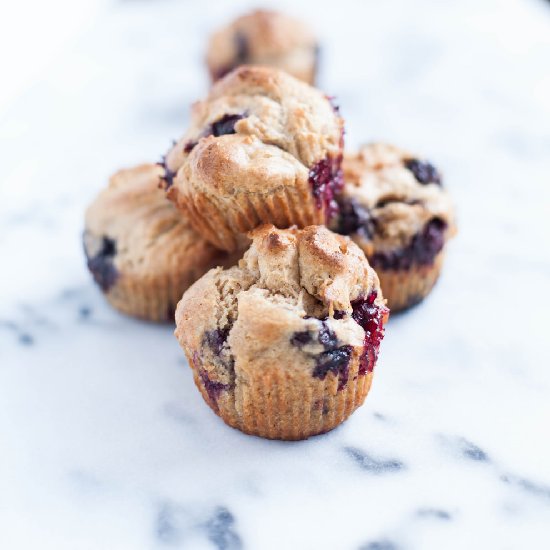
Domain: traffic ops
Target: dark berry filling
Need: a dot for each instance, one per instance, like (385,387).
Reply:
(424,172)
(334,359)
(101,265)
(221,127)
(300,339)
(370,317)
(224,125)
(355,218)
(325,177)
(326,337)
(169,175)
(215,339)
(213,389)
(422,249)
(189,146)
(326,181)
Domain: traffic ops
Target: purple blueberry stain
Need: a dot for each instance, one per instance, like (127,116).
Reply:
(300,339)
(326,337)
(355,218)
(169,175)
(216,339)
(423,171)
(189,146)
(422,249)
(101,264)
(370,317)
(225,125)
(213,388)
(326,181)
(333,359)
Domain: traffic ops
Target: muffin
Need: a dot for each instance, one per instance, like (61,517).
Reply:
(141,251)
(394,207)
(287,341)
(264,38)
(263,147)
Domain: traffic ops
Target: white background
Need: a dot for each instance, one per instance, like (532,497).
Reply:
(104,441)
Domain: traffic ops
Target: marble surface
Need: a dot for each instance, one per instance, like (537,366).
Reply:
(104,441)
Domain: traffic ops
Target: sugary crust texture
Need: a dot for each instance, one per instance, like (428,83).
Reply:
(257,170)
(265,38)
(376,177)
(242,342)
(157,254)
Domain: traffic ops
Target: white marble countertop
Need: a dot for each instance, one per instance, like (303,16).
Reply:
(104,441)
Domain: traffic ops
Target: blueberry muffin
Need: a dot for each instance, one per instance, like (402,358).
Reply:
(264,38)
(287,341)
(263,147)
(141,251)
(394,207)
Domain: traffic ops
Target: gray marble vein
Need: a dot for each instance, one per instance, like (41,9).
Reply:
(105,442)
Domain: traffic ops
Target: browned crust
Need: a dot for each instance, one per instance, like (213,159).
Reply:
(271,391)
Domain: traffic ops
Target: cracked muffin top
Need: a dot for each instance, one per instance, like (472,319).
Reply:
(132,227)
(389,197)
(263,147)
(302,294)
(256,107)
(266,38)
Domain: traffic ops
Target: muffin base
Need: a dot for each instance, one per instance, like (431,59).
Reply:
(274,406)
(155,298)
(152,299)
(406,288)
(225,228)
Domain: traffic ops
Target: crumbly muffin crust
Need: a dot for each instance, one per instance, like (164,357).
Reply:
(141,251)
(299,319)
(266,38)
(262,148)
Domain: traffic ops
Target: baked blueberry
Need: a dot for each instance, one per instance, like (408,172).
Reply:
(394,207)
(423,171)
(101,264)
